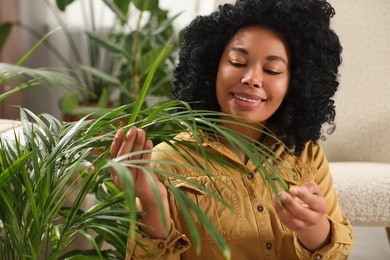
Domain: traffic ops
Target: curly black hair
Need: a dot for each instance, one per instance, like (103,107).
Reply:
(315,57)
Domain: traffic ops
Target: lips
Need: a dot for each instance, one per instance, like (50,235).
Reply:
(249,98)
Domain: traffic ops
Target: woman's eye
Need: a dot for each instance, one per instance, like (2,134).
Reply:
(237,64)
(272,72)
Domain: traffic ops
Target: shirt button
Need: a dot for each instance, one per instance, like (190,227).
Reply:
(268,246)
(161,245)
(318,257)
(260,208)
(180,244)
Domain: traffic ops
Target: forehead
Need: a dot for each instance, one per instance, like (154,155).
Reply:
(259,38)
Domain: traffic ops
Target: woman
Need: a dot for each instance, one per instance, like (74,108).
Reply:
(273,62)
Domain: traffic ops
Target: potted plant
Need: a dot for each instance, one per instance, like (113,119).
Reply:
(54,160)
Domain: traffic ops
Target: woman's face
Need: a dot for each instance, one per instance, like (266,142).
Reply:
(253,74)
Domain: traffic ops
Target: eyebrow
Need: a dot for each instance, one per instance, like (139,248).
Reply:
(240,50)
(270,58)
(277,58)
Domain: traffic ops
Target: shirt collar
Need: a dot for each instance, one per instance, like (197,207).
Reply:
(270,140)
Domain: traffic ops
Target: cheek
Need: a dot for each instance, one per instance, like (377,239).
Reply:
(281,90)
(222,82)
(222,75)
(228,77)
(218,90)
(221,95)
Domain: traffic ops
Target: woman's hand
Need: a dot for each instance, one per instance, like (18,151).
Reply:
(303,211)
(135,141)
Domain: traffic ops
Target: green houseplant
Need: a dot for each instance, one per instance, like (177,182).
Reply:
(36,180)
(54,160)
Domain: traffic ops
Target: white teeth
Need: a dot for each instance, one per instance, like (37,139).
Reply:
(248,99)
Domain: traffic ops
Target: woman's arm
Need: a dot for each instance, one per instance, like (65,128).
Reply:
(134,141)
(313,212)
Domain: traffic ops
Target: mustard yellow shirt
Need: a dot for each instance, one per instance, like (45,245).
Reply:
(252,230)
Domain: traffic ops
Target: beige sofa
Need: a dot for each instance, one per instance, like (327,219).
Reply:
(364,191)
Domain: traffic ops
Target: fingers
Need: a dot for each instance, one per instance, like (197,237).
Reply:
(288,219)
(293,213)
(148,155)
(116,144)
(138,143)
(291,205)
(303,206)
(310,194)
(133,141)
(128,142)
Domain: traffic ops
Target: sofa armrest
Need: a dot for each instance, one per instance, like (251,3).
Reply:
(10,128)
(364,191)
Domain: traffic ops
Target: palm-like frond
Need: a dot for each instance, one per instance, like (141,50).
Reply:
(16,78)
(40,176)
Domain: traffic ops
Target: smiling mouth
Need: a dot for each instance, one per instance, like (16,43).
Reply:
(248,99)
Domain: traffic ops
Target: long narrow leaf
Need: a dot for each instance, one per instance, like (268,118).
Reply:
(13,169)
(30,51)
(146,85)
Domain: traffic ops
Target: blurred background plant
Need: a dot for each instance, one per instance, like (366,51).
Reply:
(116,58)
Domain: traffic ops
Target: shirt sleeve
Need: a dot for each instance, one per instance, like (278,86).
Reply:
(339,247)
(169,248)
(342,237)
(176,242)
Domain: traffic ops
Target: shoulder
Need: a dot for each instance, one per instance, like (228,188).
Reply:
(174,149)
(308,166)
(314,160)
(312,152)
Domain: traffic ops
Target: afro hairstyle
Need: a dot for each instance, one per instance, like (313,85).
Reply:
(315,57)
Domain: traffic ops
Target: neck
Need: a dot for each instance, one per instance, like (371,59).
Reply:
(247,130)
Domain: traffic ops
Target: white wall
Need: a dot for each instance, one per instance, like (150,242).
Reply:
(362,102)
(189,9)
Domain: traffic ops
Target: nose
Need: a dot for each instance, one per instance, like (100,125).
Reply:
(253,78)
